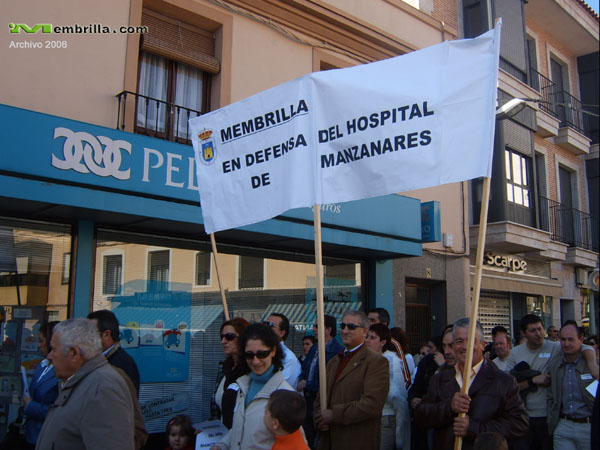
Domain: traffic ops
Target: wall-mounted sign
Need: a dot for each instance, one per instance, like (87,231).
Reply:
(511,263)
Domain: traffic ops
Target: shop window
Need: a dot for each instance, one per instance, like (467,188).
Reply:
(173,334)
(517,178)
(113,269)
(203,268)
(251,273)
(158,270)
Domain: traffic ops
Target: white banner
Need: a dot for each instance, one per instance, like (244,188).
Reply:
(414,121)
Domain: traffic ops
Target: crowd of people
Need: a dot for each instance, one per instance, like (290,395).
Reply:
(536,395)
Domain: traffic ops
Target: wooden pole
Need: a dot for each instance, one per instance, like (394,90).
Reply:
(213,243)
(485,200)
(320,308)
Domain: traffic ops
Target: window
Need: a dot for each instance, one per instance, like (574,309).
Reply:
(517,178)
(66,272)
(175,66)
(113,273)
(158,270)
(173,92)
(252,273)
(203,268)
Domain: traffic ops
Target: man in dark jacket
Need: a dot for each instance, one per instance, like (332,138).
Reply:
(493,402)
(308,382)
(108,326)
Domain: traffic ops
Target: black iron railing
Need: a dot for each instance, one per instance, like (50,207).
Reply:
(157,118)
(546,88)
(569,110)
(567,225)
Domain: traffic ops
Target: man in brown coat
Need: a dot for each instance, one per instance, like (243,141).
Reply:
(492,404)
(357,387)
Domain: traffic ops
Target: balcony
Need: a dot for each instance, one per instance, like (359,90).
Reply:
(569,226)
(154,117)
(547,120)
(571,134)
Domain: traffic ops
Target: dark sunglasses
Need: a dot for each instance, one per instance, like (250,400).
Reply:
(261,354)
(350,326)
(228,336)
(271,324)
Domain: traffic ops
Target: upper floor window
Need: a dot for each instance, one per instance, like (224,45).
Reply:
(251,273)
(203,268)
(158,270)
(113,273)
(173,92)
(176,63)
(517,178)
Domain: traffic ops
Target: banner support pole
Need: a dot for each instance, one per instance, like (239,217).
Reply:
(485,200)
(213,244)
(320,308)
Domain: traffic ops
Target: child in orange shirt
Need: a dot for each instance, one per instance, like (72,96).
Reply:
(284,415)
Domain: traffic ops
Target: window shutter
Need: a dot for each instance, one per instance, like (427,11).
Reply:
(179,41)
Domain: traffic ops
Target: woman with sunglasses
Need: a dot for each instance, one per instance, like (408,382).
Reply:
(226,393)
(262,358)
(395,420)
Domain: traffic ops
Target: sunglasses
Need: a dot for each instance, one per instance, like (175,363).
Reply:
(271,324)
(261,354)
(228,336)
(350,326)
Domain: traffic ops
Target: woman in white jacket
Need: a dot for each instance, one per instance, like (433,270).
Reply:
(262,356)
(395,419)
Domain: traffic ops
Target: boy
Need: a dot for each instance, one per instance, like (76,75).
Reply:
(284,415)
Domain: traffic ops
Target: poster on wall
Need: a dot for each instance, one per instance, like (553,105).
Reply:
(155,330)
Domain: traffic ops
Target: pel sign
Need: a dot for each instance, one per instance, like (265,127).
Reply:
(509,262)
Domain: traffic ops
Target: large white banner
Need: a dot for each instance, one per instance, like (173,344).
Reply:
(414,121)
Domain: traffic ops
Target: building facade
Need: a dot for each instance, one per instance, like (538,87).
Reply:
(541,244)
(98,199)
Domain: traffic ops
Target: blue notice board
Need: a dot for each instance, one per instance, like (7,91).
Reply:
(155,331)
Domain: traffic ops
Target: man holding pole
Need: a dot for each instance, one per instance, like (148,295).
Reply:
(492,404)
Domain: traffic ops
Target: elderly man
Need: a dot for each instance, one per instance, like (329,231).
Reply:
(357,387)
(492,404)
(502,346)
(291,366)
(93,409)
(570,405)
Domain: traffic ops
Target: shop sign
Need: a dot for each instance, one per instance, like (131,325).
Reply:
(510,263)
(78,153)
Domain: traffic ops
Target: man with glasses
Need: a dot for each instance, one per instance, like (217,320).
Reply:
(291,366)
(357,387)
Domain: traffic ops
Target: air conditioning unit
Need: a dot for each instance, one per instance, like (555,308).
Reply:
(581,276)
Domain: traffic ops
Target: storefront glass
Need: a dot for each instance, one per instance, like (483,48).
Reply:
(166,296)
(35,267)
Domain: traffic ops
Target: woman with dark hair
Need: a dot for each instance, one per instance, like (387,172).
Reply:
(226,394)
(395,417)
(43,389)
(262,358)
